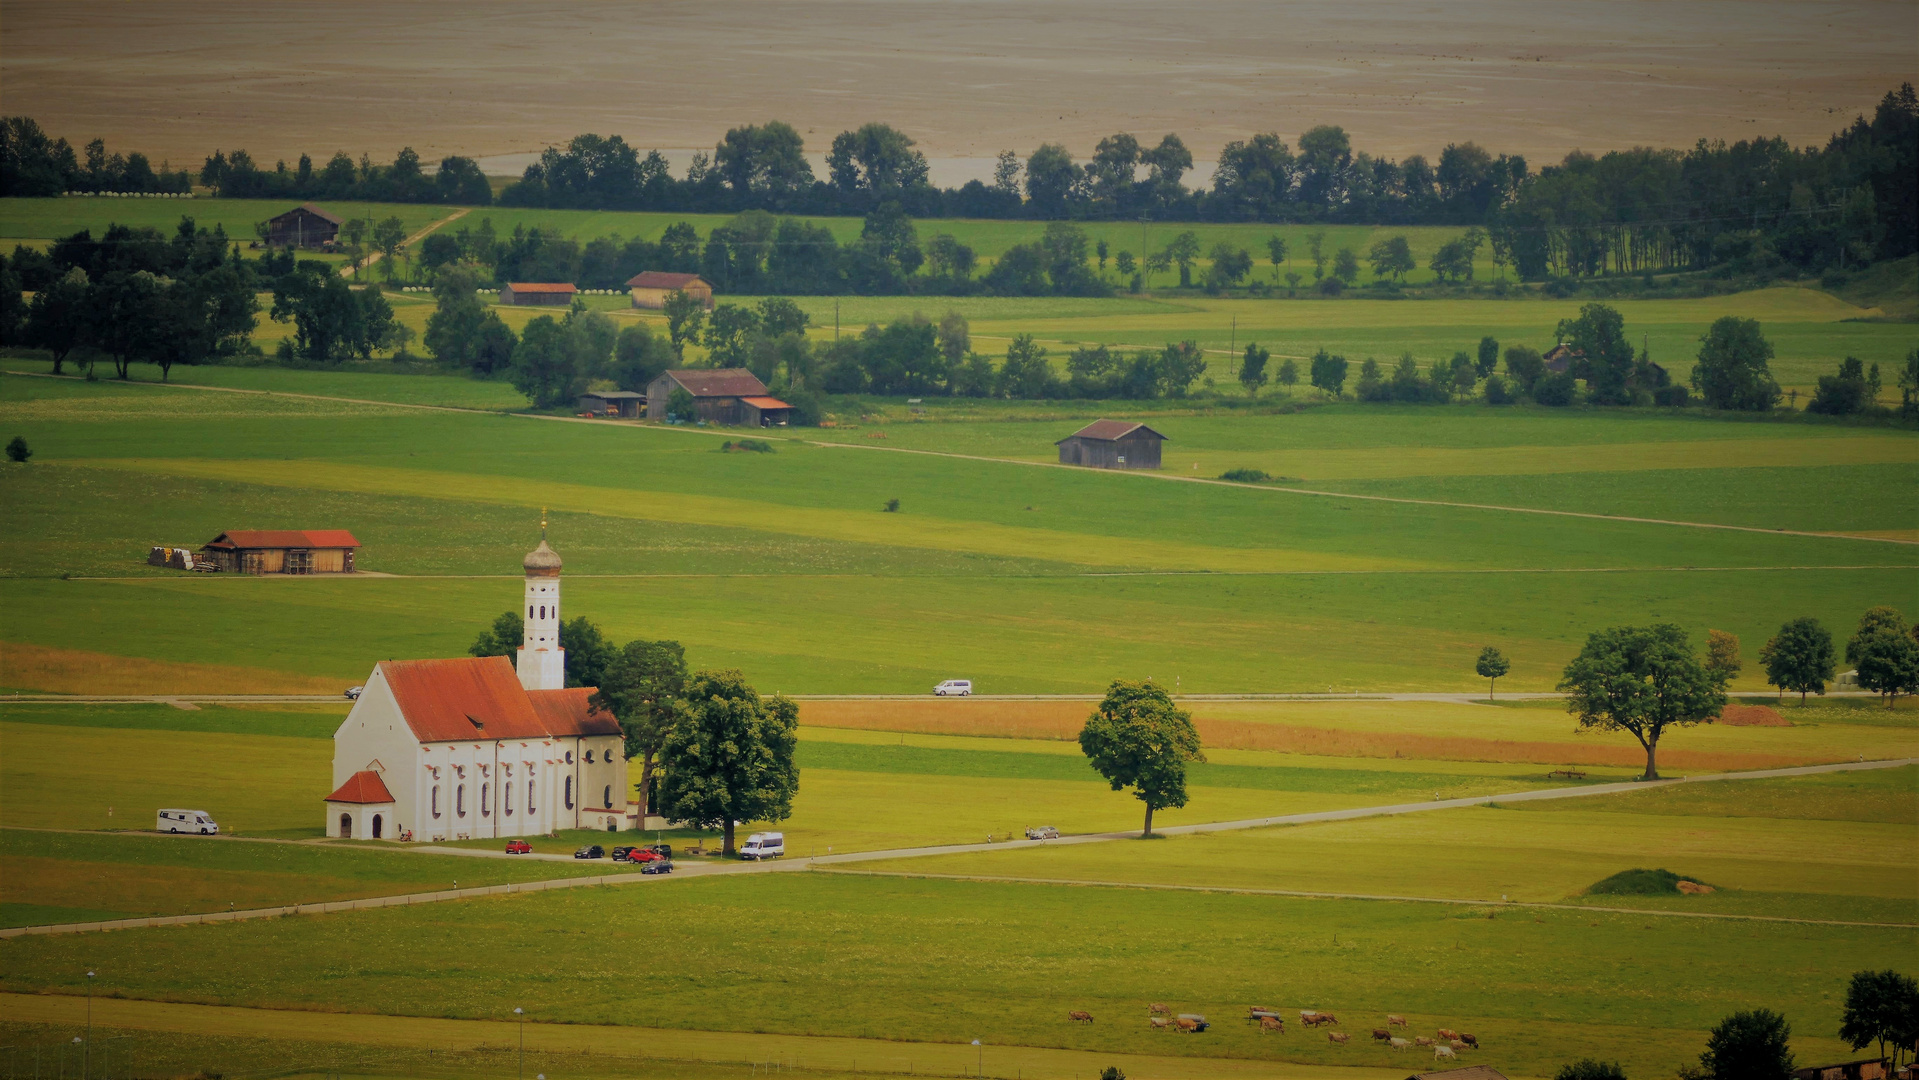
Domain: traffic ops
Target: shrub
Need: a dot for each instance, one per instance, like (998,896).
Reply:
(1497,393)
(751,446)
(892,506)
(1588,1069)
(1555,390)
(1674,397)
(1640,883)
(18,451)
(1245,476)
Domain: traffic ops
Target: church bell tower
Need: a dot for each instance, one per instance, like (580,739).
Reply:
(542,663)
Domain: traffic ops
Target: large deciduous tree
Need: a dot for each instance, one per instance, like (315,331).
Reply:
(1882,1007)
(729,756)
(684,315)
(1749,1046)
(642,683)
(1642,680)
(1885,653)
(57,317)
(1799,657)
(1137,738)
(464,331)
(1734,369)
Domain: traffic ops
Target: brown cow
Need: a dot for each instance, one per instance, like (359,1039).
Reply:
(1077,1014)
(1328,1018)
(1308,1017)
(1448,1033)
(1422,1040)
(1381,1034)
(1160,1022)
(1159,1008)
(1395,1021)
(1469,1040)
(1271,1023)
(1337,1037)
(1188,1026)
(1456,1044)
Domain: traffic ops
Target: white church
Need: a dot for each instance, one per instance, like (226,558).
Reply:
(478,747)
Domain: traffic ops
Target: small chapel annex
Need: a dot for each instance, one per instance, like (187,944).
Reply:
(477,747)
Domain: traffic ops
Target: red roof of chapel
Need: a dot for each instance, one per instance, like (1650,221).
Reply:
(363,787)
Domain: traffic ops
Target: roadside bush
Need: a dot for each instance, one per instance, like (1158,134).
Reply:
(1674,397)
(1245,476)
(1497,393)
(1555,390)
(749,446)
(1851,391)
(1588,1069)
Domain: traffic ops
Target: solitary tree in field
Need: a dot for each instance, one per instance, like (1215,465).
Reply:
(1885,654)
(1641,680)
(642,683)
(1252,368)
(1882,1007)
(1734,368)
(1799,657)
(1288,373)
(1722,655)
(728,756)
(1492,664)
(17,451)
(1276,252)
(1749,1046)
(1137,738)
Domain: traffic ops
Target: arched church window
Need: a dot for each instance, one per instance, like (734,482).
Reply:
(509,800)
(459,800)
(569,757)
(569,792)
(589,757)
(486,808)
(529,798)
(436,800)
(609,796)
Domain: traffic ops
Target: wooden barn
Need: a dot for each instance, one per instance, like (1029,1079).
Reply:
(304,226)
(1864,1069)
(1112,444)
(282,551)
(651,288)
(622,403)
(732,396)
(538,293)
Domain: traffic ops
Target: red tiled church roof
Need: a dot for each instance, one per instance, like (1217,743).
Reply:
(363,787)
(471,698)
(568,712)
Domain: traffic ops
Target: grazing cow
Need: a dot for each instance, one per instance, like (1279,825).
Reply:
(1448,1033)
(1381,1034)
(1443,1053)
(1328,1018)
(1398,1043)
(1159,1008)
(1084,1017)
(1191,1026)
(1160,1022)
(1422,1040)
(1308,1017)
(1469,1040)
(1271,1023)
(1337,1037)
(1395,1021)
(1457,1045)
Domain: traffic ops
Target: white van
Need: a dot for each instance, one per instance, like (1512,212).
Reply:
(764,845)
(188,821)
(954,687)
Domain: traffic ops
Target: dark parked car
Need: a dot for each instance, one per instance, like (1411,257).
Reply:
(590,851)
(664,851)
(624,853)
(658,866)
(518,847)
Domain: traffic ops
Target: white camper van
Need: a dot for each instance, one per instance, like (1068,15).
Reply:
(764,845)
(188,821)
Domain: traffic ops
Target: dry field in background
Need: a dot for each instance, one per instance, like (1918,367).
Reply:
(74,671)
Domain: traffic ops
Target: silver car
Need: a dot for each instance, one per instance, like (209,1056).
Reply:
(1042,832)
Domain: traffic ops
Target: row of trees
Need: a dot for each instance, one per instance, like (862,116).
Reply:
(712,751)
(134,297)
(1753,205)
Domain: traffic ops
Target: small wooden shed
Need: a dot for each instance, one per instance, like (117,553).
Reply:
(650,288)
(304,226)
(282,551)
(1112,444)
(719,395)
(538,293)
(622,403)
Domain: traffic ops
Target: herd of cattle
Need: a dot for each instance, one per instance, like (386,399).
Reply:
(1446,1043)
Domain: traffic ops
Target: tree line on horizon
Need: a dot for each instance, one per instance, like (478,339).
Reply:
(1752,204)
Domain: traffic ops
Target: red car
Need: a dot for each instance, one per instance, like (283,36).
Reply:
(518,847)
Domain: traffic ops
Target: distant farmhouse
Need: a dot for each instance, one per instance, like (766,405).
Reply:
(538,293)
(480,747)
(652,287)
(304,226)
(281,551)
(1112,444)
(733,396)
(621,403)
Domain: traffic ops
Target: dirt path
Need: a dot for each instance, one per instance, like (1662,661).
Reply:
(685,870)
(376,256)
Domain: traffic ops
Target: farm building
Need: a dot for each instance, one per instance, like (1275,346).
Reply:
(733,396)
(282,551)
(624,403)
(1470,1072)
(1561,358)
(538,293)
(652,287)
(1866,1069)
(304,226)
(1112,444)
(472,748)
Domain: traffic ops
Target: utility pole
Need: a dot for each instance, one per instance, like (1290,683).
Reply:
(86,1051)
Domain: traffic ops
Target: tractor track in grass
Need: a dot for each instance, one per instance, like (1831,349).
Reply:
(1141,473)
(717,869)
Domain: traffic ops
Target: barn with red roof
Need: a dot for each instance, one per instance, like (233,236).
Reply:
(282,551)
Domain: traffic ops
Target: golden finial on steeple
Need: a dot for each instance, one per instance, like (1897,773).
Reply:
(542,523)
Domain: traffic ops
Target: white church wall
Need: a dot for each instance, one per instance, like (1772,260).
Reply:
(375,731)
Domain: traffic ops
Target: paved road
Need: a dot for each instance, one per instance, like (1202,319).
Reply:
(1466,699)
(686,869)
